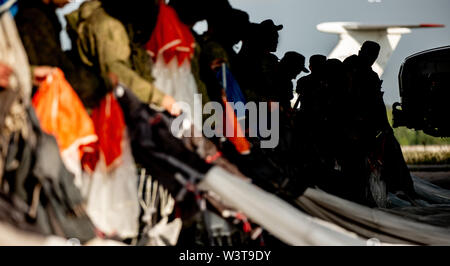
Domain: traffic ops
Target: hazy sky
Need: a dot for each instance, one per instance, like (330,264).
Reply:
(300,18)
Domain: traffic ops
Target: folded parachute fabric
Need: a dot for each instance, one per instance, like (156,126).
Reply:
(172,48)
(171,38)
(109,185)
(99,144)
(233,115)
(233,130)
(275,215)
(62,114)
(232,89)
(393,227)
(431,192)
(112,195)
(109,126)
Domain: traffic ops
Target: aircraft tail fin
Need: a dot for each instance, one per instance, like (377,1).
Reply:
(353,35)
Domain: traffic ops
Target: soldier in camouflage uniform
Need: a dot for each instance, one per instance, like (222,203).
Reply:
(109,45)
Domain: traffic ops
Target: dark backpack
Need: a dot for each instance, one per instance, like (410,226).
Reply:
(35,174)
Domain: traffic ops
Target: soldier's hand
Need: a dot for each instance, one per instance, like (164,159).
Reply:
(171,106)
(5,73)
(40,73)
(114,79)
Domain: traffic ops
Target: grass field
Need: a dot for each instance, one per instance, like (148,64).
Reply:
(408,137)
(427,155)
(420,148)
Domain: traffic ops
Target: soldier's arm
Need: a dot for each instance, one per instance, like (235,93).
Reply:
(114,56)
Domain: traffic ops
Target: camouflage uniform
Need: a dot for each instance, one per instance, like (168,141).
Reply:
(104,44)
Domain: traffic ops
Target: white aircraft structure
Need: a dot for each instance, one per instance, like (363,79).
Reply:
(352,35)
